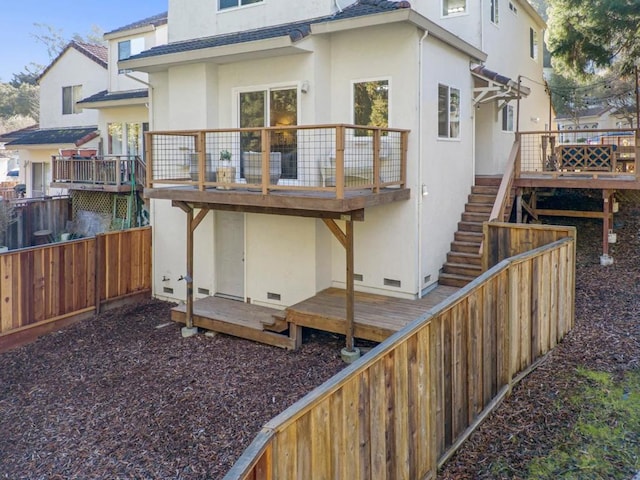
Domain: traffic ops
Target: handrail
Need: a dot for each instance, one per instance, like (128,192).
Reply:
(497,212)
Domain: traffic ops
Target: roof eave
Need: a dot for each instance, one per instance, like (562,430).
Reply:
(130,32)
(398,16)
(125,102)
(223,54)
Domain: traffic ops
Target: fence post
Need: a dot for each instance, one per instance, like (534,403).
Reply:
(98,270)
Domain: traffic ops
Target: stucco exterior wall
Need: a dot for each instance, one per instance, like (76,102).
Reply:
(295,257)
(72,68)
(201,18)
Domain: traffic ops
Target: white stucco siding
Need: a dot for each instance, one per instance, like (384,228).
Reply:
(120,81)
(201,18)
(281,259)
(447,164)
(72,68)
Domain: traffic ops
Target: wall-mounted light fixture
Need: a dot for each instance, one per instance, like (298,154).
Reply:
(304,88)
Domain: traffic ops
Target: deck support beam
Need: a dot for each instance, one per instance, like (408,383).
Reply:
(192,224)
(346,240)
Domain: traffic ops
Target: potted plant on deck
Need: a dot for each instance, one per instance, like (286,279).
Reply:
(226,172)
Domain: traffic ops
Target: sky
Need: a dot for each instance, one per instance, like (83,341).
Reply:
(19,48)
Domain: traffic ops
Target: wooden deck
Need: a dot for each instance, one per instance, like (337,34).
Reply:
(376,316)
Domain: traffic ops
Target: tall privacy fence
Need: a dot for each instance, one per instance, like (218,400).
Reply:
(42,287)
(404,408)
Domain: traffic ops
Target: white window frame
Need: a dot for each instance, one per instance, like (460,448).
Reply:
(534,43)
(238,4)
(507,114)
(513,8)
(494,14)
(448,109)
(75,92)
(446,13)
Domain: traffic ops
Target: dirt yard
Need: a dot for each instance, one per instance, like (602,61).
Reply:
(119,397)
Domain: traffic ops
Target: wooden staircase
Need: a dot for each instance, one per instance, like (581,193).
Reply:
(464,262)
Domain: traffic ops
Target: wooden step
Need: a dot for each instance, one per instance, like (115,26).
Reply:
(453,280)
(493,180)
(482,198)
(475,217)
(472,237)
(462,269)
(478,208)
(465,247)
(277,323)
(484,190)
(464,257)
(466,226)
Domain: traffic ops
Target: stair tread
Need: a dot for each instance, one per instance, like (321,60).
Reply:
(463,265)
(467,254)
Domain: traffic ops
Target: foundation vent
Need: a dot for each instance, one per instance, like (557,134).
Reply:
(273,296)
(167,289)
(358,277)
(427,279)
(390,282)
(203,291)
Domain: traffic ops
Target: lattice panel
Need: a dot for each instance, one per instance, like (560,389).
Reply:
(587,157)
(101,202)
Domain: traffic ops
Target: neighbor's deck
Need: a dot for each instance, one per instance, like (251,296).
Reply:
(376,316)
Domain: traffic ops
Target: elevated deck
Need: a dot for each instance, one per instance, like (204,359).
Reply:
(376,316)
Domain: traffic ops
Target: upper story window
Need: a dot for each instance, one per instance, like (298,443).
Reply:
(533,43)
(513,8)
(235,3)
(494,11)
(448,112)
(127,48)
(453,7)
(507,118)
(371,104)
(71,95)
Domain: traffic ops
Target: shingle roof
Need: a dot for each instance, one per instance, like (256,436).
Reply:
(295,30)
(106,96)
(155,20)
(47,136)
(9,136)
(97,53)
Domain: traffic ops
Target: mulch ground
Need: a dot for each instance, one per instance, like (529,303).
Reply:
(116,397)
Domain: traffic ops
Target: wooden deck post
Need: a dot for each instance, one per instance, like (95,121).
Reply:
(606,217)
(350,286)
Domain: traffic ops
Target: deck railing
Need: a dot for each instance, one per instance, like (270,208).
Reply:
(330,158)
(405,407)
(117,170)
(611,152)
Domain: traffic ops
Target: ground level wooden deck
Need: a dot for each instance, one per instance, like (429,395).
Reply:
(376,316)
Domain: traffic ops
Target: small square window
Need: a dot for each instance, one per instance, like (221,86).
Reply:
(224,4)
(453,7)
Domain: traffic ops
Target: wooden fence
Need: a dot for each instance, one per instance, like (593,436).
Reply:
(37,214)
(400,411)
(43,287)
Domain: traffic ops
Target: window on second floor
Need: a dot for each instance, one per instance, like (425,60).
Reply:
(453,7)
(507,118)
(371,104)
(533,43)
(127,48)
(223,4)
(71,95)
(448,112)
(494,11)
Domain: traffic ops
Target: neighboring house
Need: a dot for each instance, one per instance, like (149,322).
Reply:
(79,70)
(256,63)
(599,117)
